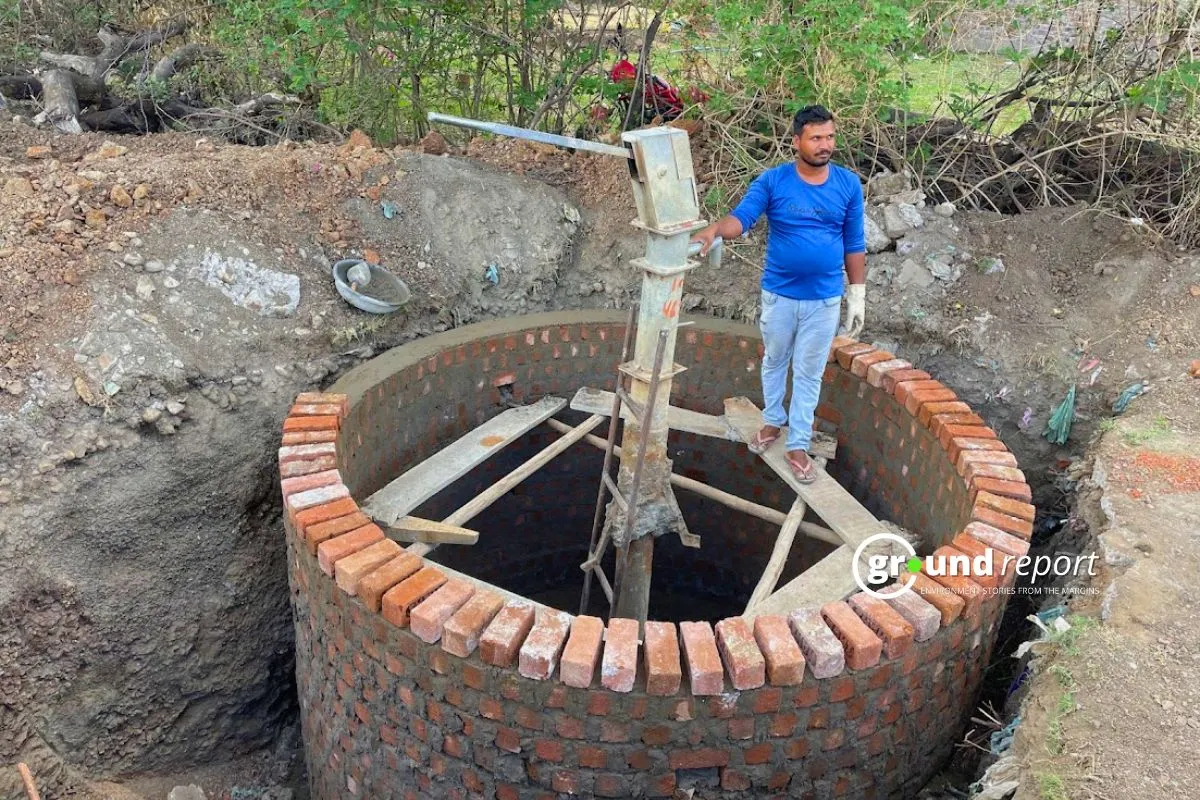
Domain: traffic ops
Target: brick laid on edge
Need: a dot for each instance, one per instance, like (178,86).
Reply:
(924,618)
(351,569)
(705,672)
(321,513)
(743,659)
(619,668)
(822,650)
(887,623)
(969,459)
(582,653)
(995,570)
(374,585)
(320,531)
(502,639)
(890,380)
(428,618)
(311,424)
(863,648)
(539,655)
(308,437)
(877,371)
(664,670)
(316,497)
(320,464)
(994,537)
(399,601)
(1022,528)
(306,452)
(333,550)
(1006,505)
(785,661)
(338,399)
(312,480)
(963,586)
(948,604)
(460,636)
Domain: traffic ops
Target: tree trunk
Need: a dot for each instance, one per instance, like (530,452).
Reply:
(180,58)
(60,100)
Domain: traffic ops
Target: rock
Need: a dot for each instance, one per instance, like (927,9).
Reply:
(880,274)
(909,213)
(945,209)
(895,225)
(877,238)
(1194,368)
(943,271)
(169,282)
(18,187)
(107,150)
(70,277)
(145,288)
(357,139)
(912,197)
(95,218)
(38,151)
(434,144)
(155,266)
(15,388)
(8,252)
(120,197)
(999,791)
(913,275)
(991,266)
(190,792)
(263,291)
(884,184)
(141,191)
(133,259)
(151,415)
(174,407)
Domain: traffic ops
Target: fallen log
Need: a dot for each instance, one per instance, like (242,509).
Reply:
(60,101)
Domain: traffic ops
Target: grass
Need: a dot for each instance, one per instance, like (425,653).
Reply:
(1160,428)
(938,84)
(1052,787)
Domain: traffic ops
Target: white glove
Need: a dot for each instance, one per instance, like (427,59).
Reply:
(856,310)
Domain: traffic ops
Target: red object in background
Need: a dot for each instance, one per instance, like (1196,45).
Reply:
(659,99)
(623,71)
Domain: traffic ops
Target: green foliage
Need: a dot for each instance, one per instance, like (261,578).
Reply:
(1052,787)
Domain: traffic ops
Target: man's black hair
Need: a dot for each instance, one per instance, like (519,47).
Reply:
(810,114)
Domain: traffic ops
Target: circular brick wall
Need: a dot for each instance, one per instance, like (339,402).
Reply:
(417,678)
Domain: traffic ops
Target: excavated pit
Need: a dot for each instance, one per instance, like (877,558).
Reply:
(385,711)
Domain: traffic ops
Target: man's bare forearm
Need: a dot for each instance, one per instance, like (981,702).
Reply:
(728,228)
(856,267)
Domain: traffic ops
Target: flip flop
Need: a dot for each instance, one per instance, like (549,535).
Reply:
(804,474)
(759,444)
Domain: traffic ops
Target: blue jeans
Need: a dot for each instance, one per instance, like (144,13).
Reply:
(799,332)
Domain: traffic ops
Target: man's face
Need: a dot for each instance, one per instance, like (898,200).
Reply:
(815,143)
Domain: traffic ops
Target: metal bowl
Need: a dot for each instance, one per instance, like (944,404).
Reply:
(384,293)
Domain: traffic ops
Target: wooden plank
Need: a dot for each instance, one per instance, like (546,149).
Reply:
(783,546)
(486,498)
(825,496)
(416,529)
(830,579)
(407,492)
(598,401)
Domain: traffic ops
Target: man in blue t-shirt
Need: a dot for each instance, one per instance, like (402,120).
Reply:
(815,213)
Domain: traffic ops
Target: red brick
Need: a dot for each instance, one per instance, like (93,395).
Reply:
(958,444)
(938,423)
(977,471)
(351,569)
(294,468)
(599,703)
(863,648)
(315,410)
(338,399)
(920,397)
(698,759)
(333,550)
(993,559)
(619,670)
(1018,490)
(890,380)
(539,654)
(994,537)
(923,616)
(743,659)
(313,480)
(784,659)
(1006,505)
(661,785)
(947,432)
(1014,525)
(549,750)
(460,635)
(610,785)
(663,670)
(905,389)
(761,753)
(741,728)
(823,651)
(948,604)
(401,598)
(315,534)
(877,371)
(329,423)
(582,652)
(316,497)
(861,363)
(306,452)
(428,618)
(509,740)
(885,622)
(968,459)
(838,342)
(970,591)
(308,437)
(569,727)
(929,410)
(502,639)
(734,781)
(374,585)
(591,757)
(703,661)
(846,353)
(323,513)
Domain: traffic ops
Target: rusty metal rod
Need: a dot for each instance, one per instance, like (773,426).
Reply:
(27,779)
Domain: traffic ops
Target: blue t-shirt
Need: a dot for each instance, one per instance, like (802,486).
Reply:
(812,228)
